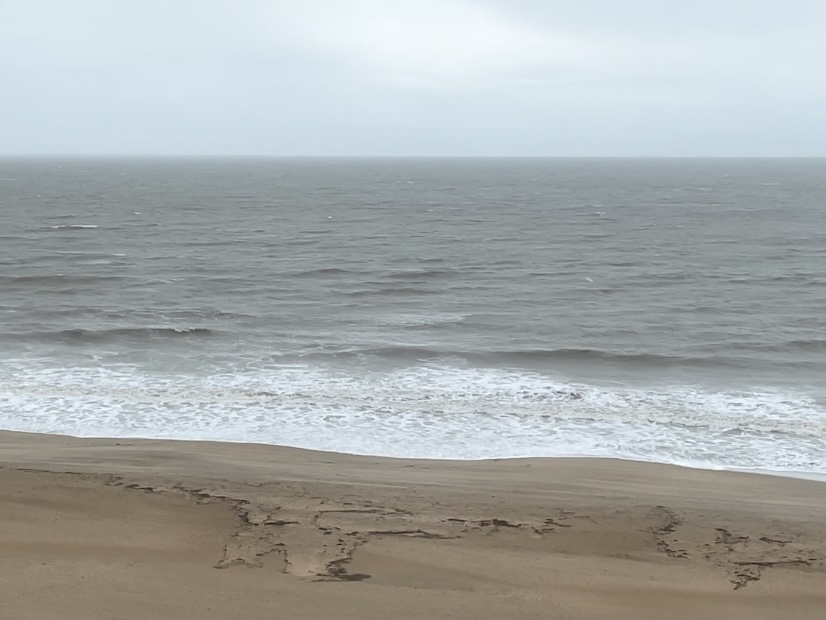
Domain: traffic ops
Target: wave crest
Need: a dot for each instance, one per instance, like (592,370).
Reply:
(89,336)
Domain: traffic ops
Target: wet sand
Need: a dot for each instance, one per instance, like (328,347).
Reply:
(130,529)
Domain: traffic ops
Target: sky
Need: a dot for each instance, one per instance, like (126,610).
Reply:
(413,78)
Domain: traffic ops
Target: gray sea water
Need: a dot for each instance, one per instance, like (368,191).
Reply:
(665,310)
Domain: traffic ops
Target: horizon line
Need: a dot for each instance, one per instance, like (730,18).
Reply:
(333,156)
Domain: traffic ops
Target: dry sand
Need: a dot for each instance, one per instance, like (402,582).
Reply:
(128,529)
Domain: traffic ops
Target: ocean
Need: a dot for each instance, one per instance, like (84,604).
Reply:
(668,310)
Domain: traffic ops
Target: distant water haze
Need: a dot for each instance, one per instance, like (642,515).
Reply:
(665,310)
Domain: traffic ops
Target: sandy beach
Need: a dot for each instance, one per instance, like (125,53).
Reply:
(131,529)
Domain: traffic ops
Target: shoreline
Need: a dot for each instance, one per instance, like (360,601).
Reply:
(799,475)
(104,528)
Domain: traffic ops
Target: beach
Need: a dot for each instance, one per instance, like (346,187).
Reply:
(140,529)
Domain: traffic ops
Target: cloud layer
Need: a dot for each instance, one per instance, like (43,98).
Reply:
(432,77)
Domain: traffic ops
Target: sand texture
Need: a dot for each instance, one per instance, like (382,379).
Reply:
(128,529)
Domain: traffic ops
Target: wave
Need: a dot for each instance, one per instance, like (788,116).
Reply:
(422,274)
(73,226)
(816,345)
(116,334)
(325,271)
(390,290)
(410,274)
(425,260)
(419,320)
(533,356)
(774,350)
(134,316)
(445,412)
(58,279)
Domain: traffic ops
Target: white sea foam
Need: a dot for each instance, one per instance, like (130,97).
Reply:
(423,412)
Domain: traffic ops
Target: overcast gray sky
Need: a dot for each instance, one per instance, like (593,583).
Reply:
(419,77)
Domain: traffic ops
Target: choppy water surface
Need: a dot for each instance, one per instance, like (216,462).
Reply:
(668,310)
